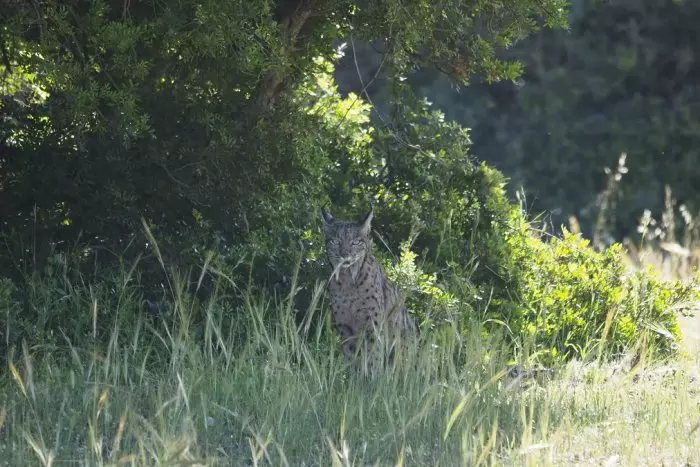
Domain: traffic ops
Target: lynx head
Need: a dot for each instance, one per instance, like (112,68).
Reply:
(347,243)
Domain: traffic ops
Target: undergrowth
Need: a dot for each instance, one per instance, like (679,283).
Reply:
(204,384)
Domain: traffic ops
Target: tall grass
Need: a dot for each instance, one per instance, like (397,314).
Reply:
(669,245)
(257,385)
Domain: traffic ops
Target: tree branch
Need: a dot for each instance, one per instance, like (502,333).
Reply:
(274,83)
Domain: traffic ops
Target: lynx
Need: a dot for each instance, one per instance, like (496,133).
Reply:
(366,305)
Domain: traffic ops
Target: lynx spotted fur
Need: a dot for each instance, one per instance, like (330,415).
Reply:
(364,302)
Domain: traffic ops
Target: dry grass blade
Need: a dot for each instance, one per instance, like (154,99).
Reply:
(18,378)
(46,457)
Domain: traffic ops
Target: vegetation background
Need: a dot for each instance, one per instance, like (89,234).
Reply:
(532,168)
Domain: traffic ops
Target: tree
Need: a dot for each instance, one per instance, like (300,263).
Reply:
(187,113)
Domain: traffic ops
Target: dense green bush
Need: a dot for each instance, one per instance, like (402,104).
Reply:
(564,300)
(575,300)
(184,113)
(218,131)
(468,257)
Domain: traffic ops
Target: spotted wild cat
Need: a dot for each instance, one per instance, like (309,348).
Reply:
(364,302)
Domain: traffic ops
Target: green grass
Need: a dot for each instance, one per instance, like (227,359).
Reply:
(281,394)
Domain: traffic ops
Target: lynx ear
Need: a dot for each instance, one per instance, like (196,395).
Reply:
(367,223)
(326,219)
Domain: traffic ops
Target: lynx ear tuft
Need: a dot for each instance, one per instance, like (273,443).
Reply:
(367,222)
(326,219)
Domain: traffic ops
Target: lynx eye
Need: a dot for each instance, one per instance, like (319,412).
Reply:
(358,242)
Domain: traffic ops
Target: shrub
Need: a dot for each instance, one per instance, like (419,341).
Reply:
(482,266)
(565,300)
(573,300)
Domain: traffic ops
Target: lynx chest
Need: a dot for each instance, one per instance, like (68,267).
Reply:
(357,303)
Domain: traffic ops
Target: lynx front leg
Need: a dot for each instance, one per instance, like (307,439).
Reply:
(348,340)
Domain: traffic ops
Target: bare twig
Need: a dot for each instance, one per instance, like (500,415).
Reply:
(366,86)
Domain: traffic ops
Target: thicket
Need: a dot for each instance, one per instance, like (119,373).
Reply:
(216,129)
